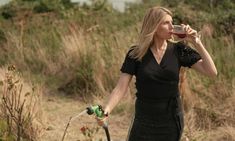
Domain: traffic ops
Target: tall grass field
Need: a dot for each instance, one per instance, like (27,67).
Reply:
(56,58)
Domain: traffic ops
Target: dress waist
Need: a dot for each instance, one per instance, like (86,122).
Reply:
(158,107)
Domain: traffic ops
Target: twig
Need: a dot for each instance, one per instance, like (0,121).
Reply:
(70,120)
(66,128)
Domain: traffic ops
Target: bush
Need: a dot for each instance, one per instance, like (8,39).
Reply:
(42,8)
(8,12)
(83,82)
(17,109)
(67,3)
(2,37)
(226,23)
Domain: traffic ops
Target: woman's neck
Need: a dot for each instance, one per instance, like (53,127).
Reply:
(160,44)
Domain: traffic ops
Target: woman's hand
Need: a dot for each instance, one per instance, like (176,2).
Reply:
(102,121)
(205,65)
(191,34)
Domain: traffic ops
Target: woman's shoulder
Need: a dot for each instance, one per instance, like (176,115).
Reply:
(133,46)
(132,52)
(178,47)
(177,44)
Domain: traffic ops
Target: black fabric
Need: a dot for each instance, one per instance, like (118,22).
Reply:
(130,65)
(158,82)
(154,80)
(157,121)
(187,56)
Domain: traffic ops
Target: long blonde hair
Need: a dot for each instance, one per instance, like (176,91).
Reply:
(151,21)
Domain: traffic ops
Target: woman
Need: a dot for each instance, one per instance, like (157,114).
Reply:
(156,62)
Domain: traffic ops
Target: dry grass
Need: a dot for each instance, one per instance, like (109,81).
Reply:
(209,110)
(90,62)
(20,106)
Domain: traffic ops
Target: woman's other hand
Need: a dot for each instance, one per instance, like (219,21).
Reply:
(191,34)
(102,121)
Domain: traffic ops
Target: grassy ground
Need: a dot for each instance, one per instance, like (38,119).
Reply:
(59,110)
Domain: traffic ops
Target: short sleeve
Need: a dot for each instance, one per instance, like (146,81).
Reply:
(129,65)
(187,56)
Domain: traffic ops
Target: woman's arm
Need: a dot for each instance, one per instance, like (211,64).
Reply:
(205,65)
(118,92)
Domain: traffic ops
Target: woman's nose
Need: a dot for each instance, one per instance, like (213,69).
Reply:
(171,26)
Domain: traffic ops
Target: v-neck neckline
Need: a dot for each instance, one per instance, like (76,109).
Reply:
(163,57)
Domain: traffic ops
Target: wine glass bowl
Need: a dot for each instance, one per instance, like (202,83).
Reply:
(178,33)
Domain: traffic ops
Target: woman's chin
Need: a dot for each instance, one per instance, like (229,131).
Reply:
(168,38)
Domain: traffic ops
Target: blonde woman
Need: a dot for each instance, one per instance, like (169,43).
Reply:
(155,62)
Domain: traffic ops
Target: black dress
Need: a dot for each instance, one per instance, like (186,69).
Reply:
(158,112)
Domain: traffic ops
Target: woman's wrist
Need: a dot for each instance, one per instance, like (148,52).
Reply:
(107,110)
(196,42)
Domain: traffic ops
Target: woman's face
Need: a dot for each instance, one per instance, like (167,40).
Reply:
(164,30)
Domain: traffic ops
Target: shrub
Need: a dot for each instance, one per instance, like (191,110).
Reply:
(18,109)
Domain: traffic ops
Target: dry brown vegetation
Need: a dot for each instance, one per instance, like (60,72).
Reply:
(72,62)
(20,107)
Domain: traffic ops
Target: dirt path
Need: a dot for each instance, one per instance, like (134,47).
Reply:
(58,110)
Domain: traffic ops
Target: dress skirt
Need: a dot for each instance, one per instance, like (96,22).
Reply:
(157,120)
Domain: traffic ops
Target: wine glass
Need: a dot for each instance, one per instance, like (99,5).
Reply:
(179,34)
